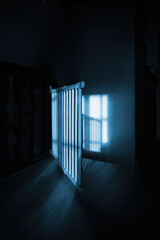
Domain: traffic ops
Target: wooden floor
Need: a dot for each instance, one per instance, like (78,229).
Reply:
(40,202)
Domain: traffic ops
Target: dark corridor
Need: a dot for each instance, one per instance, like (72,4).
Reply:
(112,46)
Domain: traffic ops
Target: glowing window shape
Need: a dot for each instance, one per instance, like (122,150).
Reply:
(98,108)
(94,106)
(104,131)
(104,106)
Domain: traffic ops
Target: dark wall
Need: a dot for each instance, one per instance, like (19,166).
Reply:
(153,49)
(95,44)
(146,81)
(25,32)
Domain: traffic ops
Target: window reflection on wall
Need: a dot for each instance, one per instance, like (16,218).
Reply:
(55,124)
(95,122)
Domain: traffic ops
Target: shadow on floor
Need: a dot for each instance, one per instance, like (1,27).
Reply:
(41,203)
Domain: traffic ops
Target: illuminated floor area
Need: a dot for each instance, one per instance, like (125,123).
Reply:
(40,202)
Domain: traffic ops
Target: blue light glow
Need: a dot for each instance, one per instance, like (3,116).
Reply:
(98,108)
(94,106)
(95,122)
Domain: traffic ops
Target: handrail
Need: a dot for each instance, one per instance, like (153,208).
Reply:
(70,87)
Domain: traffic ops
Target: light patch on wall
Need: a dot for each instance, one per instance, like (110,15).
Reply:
(98,108)
(95,106)
(95,122)
(104,106)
